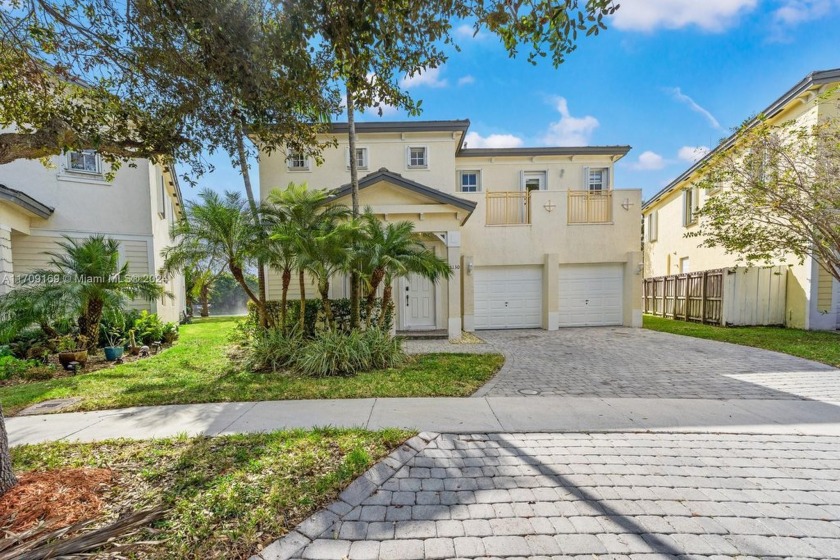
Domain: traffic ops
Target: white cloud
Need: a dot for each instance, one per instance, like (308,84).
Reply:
(467,31)
(692,154)
(381,109)
(466,80)
(475,140)
(677,94)
(708,15)
(569,130)
(648,161)
(794,12)
(430,77)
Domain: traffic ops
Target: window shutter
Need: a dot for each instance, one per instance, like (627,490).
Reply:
(408,156)
(522,181)
(684,207)
(607,179)
(586,171)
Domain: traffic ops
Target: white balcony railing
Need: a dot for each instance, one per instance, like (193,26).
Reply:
(593,207)
(508,208)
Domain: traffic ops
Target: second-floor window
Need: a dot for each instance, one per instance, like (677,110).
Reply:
(469,181)
(597,180)
(86,161)
(361,158)
(417,157)
(297,161)
(653,226)
(691,204)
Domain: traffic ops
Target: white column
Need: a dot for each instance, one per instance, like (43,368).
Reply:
(453,257)
(6,270)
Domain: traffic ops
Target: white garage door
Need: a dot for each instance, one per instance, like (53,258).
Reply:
(591,295)
(508,297)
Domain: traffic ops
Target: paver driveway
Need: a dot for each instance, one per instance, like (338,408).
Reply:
(599,496)
(624,362)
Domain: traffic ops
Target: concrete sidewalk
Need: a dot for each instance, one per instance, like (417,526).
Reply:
(450,415)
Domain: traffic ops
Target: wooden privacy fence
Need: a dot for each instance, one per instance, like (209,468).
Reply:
(727,296)
(694,296)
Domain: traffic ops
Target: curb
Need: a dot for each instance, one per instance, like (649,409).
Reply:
(357,492)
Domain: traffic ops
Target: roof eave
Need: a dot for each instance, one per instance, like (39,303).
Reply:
(26,202)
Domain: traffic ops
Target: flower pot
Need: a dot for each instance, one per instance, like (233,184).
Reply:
(80,356)
(113,352)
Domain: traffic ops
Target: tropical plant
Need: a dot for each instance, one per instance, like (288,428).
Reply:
(390,251)
(219,228)
(299,216)
(83,281)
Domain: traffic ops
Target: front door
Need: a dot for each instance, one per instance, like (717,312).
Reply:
(417,303)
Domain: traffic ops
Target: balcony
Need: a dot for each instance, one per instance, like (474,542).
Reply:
(593,207)
(508,208)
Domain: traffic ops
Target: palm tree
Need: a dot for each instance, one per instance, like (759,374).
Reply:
(83,280)
(217,228)
(327,251)
(298,216)
(390,251)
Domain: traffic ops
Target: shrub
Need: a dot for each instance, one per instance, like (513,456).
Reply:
(333,353)
(314,317)
(14,367)
(148,328)
(170,333)
(385,350)
(271,350)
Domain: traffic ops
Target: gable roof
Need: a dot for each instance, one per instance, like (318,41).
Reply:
(810,81)
(396,179)
(25,201)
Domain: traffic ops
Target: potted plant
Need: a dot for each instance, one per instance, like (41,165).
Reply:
(114,349)
(72,349)
(113,334)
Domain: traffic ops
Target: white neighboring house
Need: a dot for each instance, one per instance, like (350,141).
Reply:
(536,237)
(39,205)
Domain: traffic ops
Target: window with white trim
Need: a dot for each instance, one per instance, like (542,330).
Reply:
(297,161)
(691,203)
(598,179)
(417,157)
(85,161)
(361,158)
(469,181)
(653,226)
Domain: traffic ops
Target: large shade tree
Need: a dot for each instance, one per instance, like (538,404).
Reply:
(774,194)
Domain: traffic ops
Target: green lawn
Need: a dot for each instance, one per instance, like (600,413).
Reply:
(198,369)
(229,496)
(820,346)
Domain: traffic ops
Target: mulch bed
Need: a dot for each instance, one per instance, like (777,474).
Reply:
(58,498)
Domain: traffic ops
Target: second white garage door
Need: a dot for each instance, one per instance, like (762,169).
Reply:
(508,297)
(591,295)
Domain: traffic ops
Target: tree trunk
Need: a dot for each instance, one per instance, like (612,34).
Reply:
(355,280)
(91,322)
(252,202)
(302,282)
(284,298)
(387,304)
(375,280)
(7,475)
(324,289)
(205,302)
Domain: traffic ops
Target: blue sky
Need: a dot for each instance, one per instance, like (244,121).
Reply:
(669,77)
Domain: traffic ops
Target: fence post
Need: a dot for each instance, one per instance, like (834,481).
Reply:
(664,297)
(703,298)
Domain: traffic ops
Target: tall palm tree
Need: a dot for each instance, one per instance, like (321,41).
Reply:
(327,251)
(217,228)
(298,214)
(390,251)
(82,281)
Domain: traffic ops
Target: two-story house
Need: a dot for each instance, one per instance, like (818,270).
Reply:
(39,205)
(536,237)
(812,296)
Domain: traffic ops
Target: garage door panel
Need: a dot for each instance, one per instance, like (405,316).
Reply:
(508,297)
(591,295)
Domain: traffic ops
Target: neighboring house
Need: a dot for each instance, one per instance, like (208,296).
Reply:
(39,205)
(536,237)
(812,299)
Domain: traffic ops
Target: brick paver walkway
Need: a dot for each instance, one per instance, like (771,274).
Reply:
(599,496)
(630,363)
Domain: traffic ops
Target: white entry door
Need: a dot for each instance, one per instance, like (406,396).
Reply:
(508,297)
(591,295)
(417,302)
